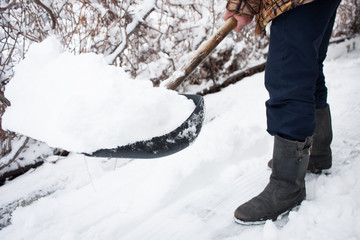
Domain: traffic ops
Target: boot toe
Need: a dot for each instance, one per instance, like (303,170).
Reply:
(252,212)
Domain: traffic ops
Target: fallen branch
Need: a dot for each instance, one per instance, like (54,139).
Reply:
(233,79)
(18,172)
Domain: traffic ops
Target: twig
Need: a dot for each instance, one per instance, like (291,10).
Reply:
(3,99)
(124,43)
(16,154)
(10,5)
(53,18)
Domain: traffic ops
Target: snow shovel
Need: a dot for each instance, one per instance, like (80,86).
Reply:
(185,134)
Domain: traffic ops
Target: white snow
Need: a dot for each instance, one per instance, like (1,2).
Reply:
(80,103)
(192,194)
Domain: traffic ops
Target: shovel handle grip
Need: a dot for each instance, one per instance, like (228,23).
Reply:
(205,49)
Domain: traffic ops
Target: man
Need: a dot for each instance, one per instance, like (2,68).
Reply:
(298,115)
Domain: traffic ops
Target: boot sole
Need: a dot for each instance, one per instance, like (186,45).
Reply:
(262,222)
(320,171)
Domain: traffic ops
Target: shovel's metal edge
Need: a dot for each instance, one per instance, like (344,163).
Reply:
(165,145)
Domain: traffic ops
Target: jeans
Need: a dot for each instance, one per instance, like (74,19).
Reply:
(294,75)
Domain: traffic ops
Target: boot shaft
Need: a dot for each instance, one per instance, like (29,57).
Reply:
(323,131)
(290,160)
(321,156)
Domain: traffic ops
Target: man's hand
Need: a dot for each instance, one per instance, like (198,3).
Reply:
(242,20)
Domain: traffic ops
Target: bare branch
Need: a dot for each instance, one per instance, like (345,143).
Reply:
(53,18)
(10,5)
(16,154)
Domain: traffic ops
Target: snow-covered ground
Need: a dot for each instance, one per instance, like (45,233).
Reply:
(192,194)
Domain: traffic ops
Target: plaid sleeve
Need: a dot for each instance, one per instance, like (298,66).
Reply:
(244,7)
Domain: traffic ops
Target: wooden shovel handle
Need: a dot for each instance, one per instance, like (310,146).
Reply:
(205,49)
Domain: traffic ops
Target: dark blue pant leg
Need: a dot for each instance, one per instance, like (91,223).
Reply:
(297,39)
(321,89)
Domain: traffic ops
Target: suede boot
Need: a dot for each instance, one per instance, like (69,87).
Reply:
(286,188)
(321,155)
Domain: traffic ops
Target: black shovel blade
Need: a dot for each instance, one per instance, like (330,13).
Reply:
(165,145)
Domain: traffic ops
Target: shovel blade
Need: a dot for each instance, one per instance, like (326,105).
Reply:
(164,145)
